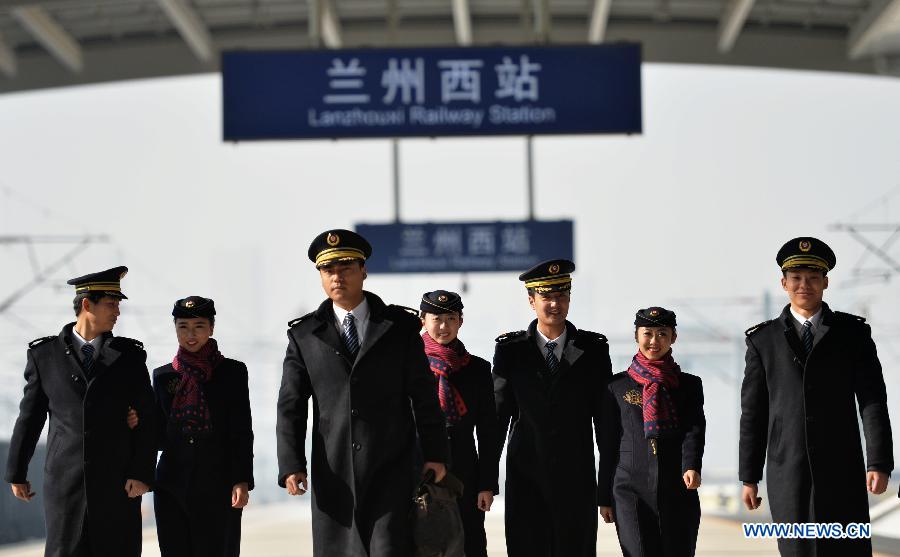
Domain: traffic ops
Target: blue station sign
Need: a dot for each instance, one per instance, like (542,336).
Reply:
(466,246)
(313,94)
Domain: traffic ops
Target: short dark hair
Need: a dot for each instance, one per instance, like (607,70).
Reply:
(93,297)
(422,314)
(784,272)
(212,320)
(532,292)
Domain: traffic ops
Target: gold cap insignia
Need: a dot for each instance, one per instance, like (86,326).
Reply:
(442,298)
(333,239)
(805,246)
(633,397)
(554,269)
(654,313)
(189,304)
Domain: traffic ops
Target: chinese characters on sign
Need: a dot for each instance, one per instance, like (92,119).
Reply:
(405,92)
(403,82)
(466,247)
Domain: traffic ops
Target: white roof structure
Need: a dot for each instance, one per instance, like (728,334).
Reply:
(51,43)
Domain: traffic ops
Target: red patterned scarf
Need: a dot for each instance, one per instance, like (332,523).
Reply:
(189,406)
(658,378)
(444,361)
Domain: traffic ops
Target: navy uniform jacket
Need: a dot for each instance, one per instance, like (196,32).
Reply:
(366,413)
(551,478)
(800,415)
(642,479)
(91,452)
(213,464)
(478,469)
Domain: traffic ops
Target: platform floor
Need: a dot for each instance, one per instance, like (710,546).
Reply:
(284,530)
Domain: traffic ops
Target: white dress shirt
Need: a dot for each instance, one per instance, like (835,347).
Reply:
(543,340)
(815,320)
(96,342)
(360,315)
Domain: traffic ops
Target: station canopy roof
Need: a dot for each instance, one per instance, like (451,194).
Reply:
(52,43)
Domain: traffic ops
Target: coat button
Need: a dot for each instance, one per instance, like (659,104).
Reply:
(357,447)
(354,412)
(191,440)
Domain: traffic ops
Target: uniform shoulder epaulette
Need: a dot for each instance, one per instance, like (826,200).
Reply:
(507,337)
(757,327)
(129,342)
(39,341)
(592,336)
(849,317)
(406,309)
(293,322)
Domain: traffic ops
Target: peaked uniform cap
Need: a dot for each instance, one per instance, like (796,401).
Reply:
(336,245)
(549,276)
(106,282)
(806,252)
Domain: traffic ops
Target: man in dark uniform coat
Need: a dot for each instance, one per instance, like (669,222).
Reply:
(548,384)
(97,468)
(805,373)
(364,365)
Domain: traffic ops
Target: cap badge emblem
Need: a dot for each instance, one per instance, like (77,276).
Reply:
(805,246)
(654,313)
(189,304)
(333,239)
(554,269)
(442,298)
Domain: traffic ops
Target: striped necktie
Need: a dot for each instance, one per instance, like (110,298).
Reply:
(807,337)
(552,361)
(349,334)
(87,351)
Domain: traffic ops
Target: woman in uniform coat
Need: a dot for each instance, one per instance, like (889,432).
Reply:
(205,471)
(466,394)
(652,447)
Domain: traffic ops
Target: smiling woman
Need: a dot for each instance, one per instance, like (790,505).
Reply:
(205,472)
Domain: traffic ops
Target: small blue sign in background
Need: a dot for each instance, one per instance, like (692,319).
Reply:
(466,246)
(309,94)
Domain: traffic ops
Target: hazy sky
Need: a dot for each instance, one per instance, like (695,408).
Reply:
(732,163)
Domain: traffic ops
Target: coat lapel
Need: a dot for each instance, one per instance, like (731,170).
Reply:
(790,334)
(65,338)
(327,332)
(571,352)
(377,327)
(108,357)
(824,324)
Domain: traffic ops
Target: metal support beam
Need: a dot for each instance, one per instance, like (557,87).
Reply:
(881,19)
(732,23)
(462,22)
(7,59)
(599,18)
(190,27)
(542,21)
(331,25)
(50,35)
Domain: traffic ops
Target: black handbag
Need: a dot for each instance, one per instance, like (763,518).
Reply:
(436,523)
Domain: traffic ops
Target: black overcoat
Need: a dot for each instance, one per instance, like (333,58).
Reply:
(366,414)
(801,415)
(91,452)
(551,477)
(197,474)
(478,469)
(656,515)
